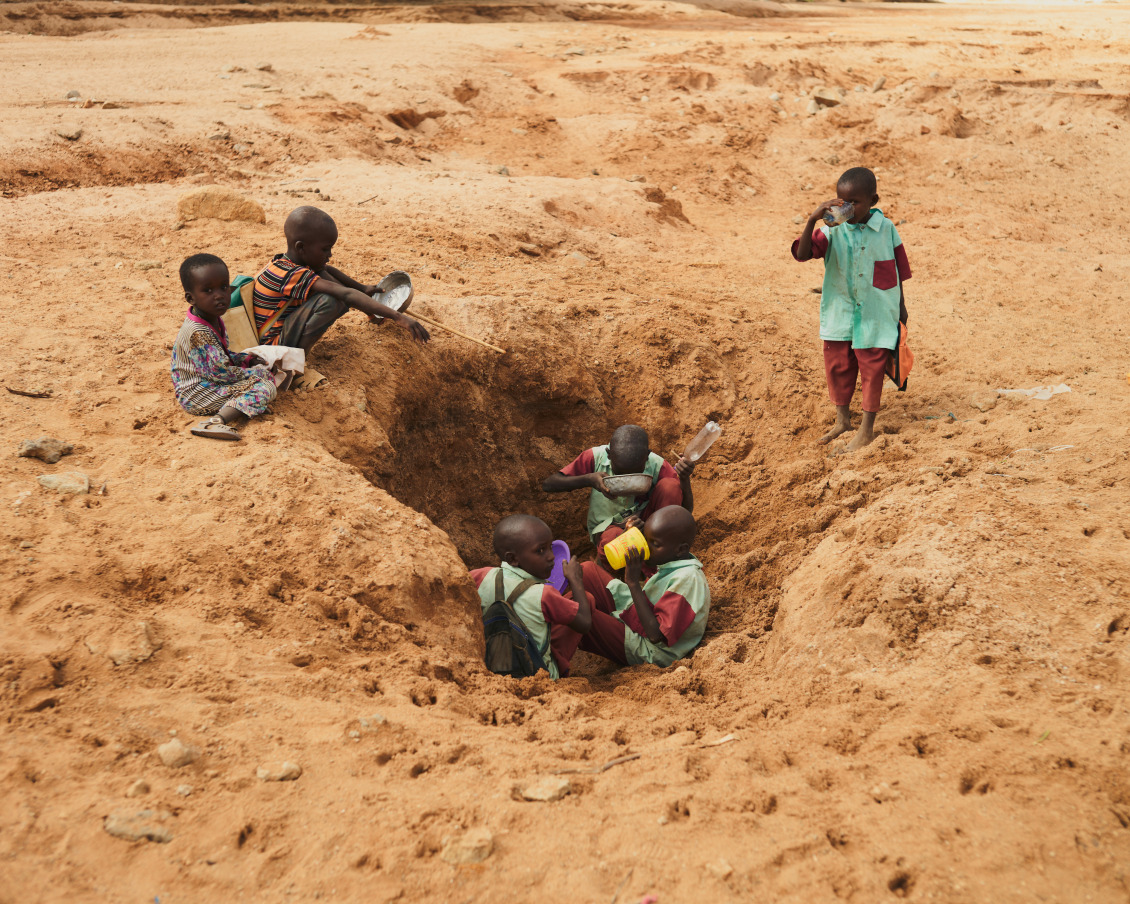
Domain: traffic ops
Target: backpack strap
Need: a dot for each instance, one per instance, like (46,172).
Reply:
(500,590)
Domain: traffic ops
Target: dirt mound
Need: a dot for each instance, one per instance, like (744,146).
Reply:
(254,668)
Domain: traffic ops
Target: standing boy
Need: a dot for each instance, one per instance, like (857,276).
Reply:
(862,301)
(659,621)
(628,452)
(298,295)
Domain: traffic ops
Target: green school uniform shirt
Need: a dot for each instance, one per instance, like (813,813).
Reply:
(530,606)
(604,511)
(864,266)
(681,598)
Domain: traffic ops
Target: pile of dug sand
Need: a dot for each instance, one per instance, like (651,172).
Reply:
(254,669)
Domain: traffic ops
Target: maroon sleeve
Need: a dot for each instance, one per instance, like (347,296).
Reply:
(557,609)
(478,574)
(902,263)
(585,463)
(666,471)
(674,615)
(819,244)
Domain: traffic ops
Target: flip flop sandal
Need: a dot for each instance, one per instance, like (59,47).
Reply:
(215,428)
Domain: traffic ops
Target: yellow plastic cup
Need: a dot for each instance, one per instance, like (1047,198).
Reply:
(616,551)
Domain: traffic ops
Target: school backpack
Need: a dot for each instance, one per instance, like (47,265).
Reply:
(510,648)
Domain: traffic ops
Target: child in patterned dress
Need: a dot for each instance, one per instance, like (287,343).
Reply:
(207,377)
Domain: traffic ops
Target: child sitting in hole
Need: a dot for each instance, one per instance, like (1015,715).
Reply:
(662,620)
(207,377)
(628,452)
(862,301)
(298,295)
(555,623)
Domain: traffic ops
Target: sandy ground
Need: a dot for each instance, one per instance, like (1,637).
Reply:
(917,655)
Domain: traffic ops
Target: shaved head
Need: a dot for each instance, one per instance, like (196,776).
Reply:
(629,449)
(674,524)
(305,223)
(517,531)
(860,178)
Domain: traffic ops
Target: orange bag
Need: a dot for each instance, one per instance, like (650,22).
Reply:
(900,361)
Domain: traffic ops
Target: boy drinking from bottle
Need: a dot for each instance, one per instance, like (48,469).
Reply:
(862,301)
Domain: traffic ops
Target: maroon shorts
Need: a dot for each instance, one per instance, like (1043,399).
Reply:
(842,363)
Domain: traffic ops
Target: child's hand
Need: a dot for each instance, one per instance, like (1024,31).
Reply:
(633,568)
(633,521)
(597,478)
(572,570)
(255,360)
(415,328)
(683,468)
(824,208)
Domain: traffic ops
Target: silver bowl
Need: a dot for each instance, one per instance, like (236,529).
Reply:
(628,484)
(395,291)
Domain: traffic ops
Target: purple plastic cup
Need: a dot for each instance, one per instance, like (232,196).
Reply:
(557,577)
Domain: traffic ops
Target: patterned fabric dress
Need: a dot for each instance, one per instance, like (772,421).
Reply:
(206,376)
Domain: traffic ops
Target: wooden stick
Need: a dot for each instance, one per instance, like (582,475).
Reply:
(596,770)
(31,394)
(436,323)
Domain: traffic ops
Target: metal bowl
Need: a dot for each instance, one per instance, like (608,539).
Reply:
(395,291)
(628,484)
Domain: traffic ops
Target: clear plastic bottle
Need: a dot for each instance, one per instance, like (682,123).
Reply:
(697,447)
(840,214)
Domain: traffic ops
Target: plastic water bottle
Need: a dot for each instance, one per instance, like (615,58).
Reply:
(840,214)
(697,447)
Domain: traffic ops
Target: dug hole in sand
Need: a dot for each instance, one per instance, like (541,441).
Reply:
(253,670)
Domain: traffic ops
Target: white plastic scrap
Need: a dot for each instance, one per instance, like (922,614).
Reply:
(1040,393)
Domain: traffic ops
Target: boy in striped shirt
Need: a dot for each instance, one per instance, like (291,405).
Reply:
(298,296)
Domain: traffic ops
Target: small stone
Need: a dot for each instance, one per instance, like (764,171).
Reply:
(775,97)
(279,772)
(720,870)
(924,130)
(87,104)
(798,219)
(984,400)
(373,722)
(254,85)
(176,753)
(528,249)
(879,83)
(637,178)
(184,790)
(69,132)
(578,257)
(45,449)
(144,825)
(576,51)
(832,159)
(220,136)
(827,97)
(813,108)
(503,171)
(73,95)
(265,67)
(935,74)
(148,265)
(26,544)
(110,105)
(71,482)
(884,792)
(549,788)
(596,172)
(138,789)
(473,846)
(860,88)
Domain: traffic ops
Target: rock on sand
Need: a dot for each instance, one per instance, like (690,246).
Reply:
(143,825)
(218,203)
(45,448)
(279,772)
(473,846)
(175,754)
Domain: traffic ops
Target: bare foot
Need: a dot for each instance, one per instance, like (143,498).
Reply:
(863,437)
(842,425)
